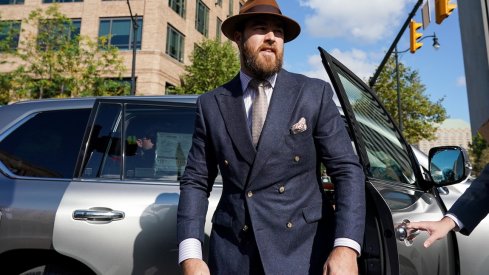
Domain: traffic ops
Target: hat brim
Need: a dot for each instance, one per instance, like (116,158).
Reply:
(291,28)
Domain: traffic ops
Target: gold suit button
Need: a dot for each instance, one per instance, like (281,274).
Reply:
(226,162)
(245,228)
(297,158)
(289,225)
(281,189)
(250,194)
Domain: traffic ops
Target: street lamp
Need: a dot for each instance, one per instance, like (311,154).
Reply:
(135,27)
(436,45)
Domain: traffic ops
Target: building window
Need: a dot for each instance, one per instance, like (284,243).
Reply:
(231,8)
(202,18)
(118,86)
(174,43)
(11,2)
(9,35)
(60,1)
(219,3)
(218,29)
(178,6)
(53,34)
(170,89)
(120,32)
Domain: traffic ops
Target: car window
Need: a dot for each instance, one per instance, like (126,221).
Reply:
(140,141)
(46,144)
(162,135)
(102,152)
(386,151)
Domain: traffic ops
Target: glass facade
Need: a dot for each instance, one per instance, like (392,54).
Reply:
(53,34)
(174,43)
(178,6)
(120,32)
(9,35)
(60,1)
(11,2)
(202,18)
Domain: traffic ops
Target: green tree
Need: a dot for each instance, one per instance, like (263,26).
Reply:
(213,64)
(5,86)
(56,61)
(9,33)
(420,116)
(479,153)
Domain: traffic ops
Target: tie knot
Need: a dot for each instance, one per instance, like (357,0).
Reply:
(257,84)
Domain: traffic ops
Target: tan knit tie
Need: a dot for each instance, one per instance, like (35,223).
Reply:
(259,111)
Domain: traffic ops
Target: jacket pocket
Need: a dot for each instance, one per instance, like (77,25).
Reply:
(299,137)
(312,213)
(222,218)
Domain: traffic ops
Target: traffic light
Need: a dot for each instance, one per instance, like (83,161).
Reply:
(443,9)
(414,36)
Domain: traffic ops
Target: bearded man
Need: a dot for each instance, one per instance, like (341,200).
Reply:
(267,131)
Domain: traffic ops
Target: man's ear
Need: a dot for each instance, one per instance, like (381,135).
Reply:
(237,38)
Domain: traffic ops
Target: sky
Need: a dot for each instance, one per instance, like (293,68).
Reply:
(358,33)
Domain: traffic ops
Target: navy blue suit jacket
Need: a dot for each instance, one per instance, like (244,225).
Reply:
(472,207)
(278,183)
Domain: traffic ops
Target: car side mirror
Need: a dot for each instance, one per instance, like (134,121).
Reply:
(449,165)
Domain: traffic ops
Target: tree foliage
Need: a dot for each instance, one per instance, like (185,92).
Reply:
(479,153)
(420,116)
(55,61)
(7,40)
(213,64)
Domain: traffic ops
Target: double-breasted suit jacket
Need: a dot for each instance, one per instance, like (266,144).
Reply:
(275,189)
(472,207)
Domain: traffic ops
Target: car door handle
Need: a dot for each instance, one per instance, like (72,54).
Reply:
(404,234)
(98,214)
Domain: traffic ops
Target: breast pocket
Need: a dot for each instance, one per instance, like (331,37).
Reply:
(300,140)
(222,218)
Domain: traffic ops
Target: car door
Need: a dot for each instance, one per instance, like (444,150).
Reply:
(394,180)
(119,215)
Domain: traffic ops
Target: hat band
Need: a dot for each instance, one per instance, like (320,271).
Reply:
(263,8)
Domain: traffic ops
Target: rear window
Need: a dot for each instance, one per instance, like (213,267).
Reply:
(46,145)
(139,141)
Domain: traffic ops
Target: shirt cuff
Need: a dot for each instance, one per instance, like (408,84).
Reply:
(189,249)
(459,224)
(348,243)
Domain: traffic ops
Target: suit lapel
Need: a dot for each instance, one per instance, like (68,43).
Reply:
(231,105)
(276,125)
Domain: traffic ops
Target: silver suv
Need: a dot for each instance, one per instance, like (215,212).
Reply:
(80,195)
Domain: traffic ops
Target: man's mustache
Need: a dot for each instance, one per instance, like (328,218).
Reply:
(268,48)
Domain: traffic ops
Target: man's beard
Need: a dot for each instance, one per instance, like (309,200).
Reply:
(260,67)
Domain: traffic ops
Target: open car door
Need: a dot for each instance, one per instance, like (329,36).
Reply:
(395,187)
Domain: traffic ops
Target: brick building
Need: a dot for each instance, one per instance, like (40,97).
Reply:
(167,34)
(455,132)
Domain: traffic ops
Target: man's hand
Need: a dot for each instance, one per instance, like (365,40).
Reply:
(342,260)
(195,267)
(437,230)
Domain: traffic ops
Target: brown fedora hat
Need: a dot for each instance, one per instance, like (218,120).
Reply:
(265,8)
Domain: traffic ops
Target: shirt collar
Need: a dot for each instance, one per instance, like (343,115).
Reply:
(245,80)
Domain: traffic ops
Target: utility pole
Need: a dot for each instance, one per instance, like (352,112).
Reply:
(399,107)
(373,79)
(135,27)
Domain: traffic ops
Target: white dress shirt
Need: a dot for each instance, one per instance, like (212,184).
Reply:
(458,223)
